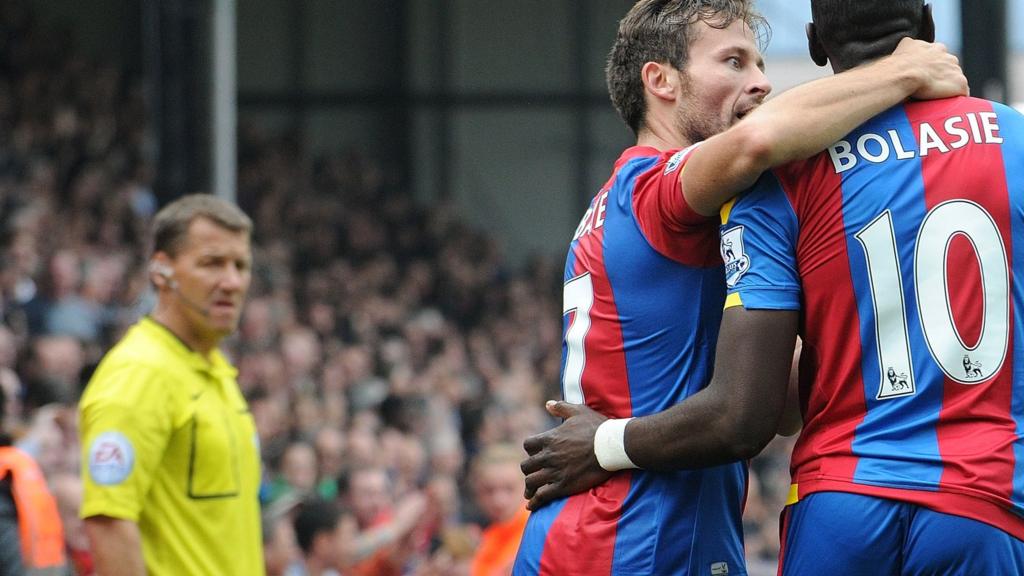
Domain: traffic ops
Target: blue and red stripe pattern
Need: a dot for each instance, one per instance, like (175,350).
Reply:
(902,247)
(646,274)
(1013,168)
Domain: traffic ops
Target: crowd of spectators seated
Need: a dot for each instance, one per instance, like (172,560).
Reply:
(384,346)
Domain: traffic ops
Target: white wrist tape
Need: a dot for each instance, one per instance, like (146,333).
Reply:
(610,445)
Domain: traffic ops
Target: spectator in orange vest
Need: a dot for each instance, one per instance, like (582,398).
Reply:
(31,533)
(498,488)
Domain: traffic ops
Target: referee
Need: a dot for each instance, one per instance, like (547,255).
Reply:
(169,454)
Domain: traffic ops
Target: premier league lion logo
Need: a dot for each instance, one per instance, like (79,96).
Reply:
(736,260)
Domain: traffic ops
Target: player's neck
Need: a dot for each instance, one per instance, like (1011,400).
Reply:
(662,135)
(646,138)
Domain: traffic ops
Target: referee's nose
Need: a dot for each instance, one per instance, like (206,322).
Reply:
(234,279)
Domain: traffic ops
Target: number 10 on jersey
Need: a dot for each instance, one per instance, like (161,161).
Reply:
(963,364)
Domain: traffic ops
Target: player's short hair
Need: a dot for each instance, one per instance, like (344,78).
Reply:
(315,516)
(170,226)
(661,31)
(857,31)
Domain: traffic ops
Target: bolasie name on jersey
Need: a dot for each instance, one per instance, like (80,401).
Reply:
(953,133)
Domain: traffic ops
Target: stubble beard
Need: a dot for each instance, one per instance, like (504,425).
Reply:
(693,123)
(696,125)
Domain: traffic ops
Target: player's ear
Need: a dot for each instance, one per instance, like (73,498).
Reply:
(817,51)
(927,24)
(659,80)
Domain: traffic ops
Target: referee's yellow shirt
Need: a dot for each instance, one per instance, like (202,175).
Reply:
(168,442)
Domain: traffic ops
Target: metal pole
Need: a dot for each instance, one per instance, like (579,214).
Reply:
(153,148)
(225,105)
(443,136)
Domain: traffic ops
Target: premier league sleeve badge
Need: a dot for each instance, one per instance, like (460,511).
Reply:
(736,260)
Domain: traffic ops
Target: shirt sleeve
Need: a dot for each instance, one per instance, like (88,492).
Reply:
(758,245)
(125,426)
(667,221)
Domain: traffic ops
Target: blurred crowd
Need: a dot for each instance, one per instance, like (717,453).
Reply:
(392,359)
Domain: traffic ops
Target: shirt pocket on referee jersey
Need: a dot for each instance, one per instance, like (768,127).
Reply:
(213,456)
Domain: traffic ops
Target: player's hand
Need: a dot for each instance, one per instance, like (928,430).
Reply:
(561,461)
(940,72)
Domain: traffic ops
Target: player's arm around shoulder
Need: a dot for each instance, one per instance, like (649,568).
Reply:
(805,120)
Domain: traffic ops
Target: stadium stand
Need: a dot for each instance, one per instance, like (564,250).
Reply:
(380,335)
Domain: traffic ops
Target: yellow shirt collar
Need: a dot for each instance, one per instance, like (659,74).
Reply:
(216,364)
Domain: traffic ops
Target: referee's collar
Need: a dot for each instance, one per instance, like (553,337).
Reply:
(216,364)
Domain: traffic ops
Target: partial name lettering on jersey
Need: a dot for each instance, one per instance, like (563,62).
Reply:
(594,217)
(941,137)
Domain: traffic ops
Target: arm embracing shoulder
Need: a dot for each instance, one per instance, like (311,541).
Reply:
(805,120)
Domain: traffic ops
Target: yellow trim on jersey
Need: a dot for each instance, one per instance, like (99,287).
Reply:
(727,210)
(733,300)
(794,494)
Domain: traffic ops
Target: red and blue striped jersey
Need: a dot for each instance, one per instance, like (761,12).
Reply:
(642,305)
(903,247)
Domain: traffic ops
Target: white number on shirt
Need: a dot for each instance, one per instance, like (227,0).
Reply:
(963,364)
(578,297)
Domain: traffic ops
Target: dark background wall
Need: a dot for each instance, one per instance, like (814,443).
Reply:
(499,107)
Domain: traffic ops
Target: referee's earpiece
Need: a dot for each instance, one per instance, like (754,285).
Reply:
(161,269)
(167,273)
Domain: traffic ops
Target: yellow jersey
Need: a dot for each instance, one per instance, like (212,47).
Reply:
(168,442)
